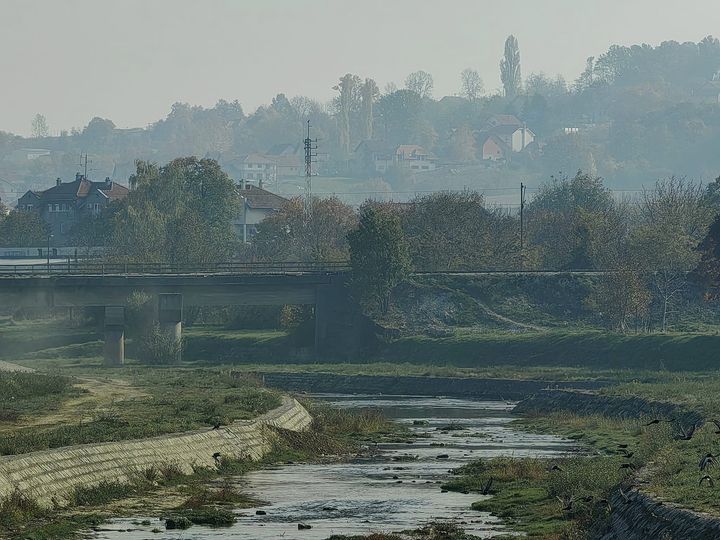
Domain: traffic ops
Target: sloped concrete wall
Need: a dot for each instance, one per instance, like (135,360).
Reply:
(641,517)
(51,476)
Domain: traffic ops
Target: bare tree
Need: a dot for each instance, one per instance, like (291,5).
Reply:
(471,85)
(420,82)
(40,126)
(510,68)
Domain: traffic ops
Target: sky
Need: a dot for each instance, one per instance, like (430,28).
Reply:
(130,60)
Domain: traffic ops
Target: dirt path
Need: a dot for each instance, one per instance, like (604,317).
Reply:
(97,394)
(7,366)
(501,318)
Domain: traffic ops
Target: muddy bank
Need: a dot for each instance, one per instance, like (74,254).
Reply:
(472,388)
(589,403)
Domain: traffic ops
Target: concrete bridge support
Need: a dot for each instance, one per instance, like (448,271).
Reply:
(114,350)
(170,311)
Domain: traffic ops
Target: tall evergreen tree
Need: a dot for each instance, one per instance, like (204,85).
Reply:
(510,68)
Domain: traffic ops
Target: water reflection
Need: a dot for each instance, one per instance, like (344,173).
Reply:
(397,488)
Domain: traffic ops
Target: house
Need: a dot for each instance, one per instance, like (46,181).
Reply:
(62,205)
(378,157)
(374,156)
(258,167)
(257,204)
(495,149)
(502,135)
(414,157)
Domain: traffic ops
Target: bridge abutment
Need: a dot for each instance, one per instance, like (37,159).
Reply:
(170,311)
(114,349)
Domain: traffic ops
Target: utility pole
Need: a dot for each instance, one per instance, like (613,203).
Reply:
(522,223)
(310,153)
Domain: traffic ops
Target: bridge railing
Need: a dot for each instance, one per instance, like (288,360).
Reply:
(93,268)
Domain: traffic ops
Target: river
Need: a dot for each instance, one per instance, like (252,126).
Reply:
(397,488)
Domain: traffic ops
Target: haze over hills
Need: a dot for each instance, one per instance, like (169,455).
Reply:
(634,114)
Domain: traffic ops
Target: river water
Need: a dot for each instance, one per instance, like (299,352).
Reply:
(397,487)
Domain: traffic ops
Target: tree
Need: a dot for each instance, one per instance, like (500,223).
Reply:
(378,256)
(420,82)
(455,231)
(369,93)
(23,229)
(620,297)
(40,126)
(561,216)
(287,235)
(181,213)
(348,87)
(510,68)
(674,218)
(471,85)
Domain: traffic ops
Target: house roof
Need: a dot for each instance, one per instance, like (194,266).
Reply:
(115,192)
(282,149)
(79,189)
(256,197)
(256,157)
(498,141)
(410,151)
(287,160)
(374,146)
(504,120)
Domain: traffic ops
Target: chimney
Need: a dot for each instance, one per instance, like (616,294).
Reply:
(108,183)
(260,183)
(58,181)
(78,176)
(242,183)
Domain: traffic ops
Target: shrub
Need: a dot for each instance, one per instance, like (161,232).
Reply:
(102,493)
(159,348)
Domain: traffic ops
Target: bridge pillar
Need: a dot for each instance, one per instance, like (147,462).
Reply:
(170,310)
(114,350)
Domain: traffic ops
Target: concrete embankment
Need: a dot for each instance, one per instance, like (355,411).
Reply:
(588,403)
(638,516)
(51,476)
(472,388)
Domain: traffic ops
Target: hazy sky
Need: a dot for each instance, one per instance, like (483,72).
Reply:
(129,60)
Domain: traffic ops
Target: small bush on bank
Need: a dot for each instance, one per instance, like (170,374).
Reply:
(158,348)
(17,509)
(102,493)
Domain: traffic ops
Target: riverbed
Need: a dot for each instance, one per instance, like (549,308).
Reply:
(391,488)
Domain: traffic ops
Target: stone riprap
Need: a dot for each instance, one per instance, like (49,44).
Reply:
(51,476)
(470,387)
(588,403)
(638,516)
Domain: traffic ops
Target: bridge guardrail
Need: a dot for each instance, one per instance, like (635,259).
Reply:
(85,268)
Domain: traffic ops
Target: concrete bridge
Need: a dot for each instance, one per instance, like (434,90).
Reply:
(109,286)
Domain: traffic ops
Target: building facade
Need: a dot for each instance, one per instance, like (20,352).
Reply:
(63,205)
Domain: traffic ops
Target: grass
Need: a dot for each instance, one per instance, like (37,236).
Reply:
(527,494)
(174,400)
(24,394)
(585,349)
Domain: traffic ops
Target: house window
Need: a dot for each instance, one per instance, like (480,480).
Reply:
(29,207)
(414,167)
(425,166)
(57,207)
